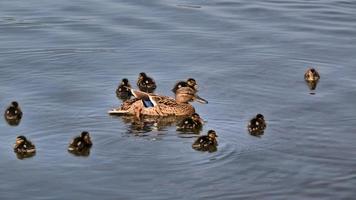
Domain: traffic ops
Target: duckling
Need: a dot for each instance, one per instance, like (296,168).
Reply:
(146,83)
(257,125)
(311,75)
(24,146)
(80,144)
(123,91)
(189,83)
(206,142)
(13,113)
(192,123)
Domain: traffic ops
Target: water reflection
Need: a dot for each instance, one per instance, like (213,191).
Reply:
(85,152)
(13,122)
(147,124)
(22,156)
(312,85)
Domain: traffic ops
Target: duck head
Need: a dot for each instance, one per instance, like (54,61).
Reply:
(187,94)
(124,81)
(85,136)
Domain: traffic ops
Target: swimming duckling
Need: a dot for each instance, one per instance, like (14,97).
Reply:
(80,144)
(192,123)
(311,75)
(145,83)
(13,113)
(123,91)
(189,83)
(24,146)
(206,142)
(257,125)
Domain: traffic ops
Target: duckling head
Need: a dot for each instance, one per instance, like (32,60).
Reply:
(192,83)
(212,135)
(142,75)
(259,116)
(15,104)
(196,117)
(85,136)
(20,139)
(124,81)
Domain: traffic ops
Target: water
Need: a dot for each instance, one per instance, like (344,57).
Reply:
(63,60)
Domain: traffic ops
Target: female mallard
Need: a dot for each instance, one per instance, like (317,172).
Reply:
(81,143)
(123,91)
(192,123)
(206,142)
(13,113)
(311,75)
(189,83)
(24,146)
(146,83)
(257,125)
(156,105)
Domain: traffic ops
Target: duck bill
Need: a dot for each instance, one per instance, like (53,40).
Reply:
(200,100)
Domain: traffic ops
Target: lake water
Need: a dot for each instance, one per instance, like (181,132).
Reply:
(62,61)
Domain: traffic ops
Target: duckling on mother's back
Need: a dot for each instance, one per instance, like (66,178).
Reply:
(146,83)
(123,91)
(189,83)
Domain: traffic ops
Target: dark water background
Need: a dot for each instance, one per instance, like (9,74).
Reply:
(62,61)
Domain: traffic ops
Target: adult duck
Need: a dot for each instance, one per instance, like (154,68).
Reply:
(156,105)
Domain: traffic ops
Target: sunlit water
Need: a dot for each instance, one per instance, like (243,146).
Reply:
(62,61)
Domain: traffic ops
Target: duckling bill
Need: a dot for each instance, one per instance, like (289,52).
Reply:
(206,142)
(13,114)
(257,125)
(81,145)
(146,83)
(123,91)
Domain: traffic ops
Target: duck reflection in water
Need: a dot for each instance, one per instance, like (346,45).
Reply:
(146,124)
(311,78)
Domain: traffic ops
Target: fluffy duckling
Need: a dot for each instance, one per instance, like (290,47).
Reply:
(189,83)
(311,75)
(192,123)
(13,113)
(146,83)
(206,142)
(257,125)
(81,143)
(123,91)
(24,146)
